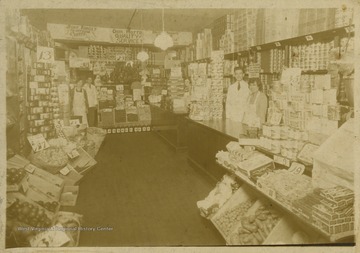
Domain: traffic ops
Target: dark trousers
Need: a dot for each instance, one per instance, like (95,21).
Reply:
(92,116)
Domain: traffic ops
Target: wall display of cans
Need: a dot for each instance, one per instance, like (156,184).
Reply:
(216,88)
(314,56)
(43,105)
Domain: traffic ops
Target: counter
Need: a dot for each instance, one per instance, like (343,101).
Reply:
(205,139)
(170,126)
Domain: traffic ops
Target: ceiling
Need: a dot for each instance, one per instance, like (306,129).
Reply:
(191,20)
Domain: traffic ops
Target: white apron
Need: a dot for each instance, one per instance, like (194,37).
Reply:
(79,106)
(250,117)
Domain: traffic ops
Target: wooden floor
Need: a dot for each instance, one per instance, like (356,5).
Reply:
(146,193)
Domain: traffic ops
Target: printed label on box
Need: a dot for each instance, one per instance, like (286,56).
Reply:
(38,142)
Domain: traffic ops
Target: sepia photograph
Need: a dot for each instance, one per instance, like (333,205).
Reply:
(200,127)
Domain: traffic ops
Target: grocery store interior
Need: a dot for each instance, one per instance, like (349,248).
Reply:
(180,127)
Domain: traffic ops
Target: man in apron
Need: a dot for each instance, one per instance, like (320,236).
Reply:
(79,102)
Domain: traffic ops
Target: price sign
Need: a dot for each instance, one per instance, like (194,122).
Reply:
(309,38)
(120,87)
(30,168)
(282,160)
(120,57)
(75,122)
(278,44)
(45,54)
(73,154)
(64,171)
(38,142)
(297,168)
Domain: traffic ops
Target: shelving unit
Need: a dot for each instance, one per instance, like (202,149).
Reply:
(288,210)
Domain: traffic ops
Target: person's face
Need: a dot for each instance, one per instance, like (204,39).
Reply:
(239,75)
(79,85)
(253,87)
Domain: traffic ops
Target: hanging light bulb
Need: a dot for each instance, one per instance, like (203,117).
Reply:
(142,55)
(163,40)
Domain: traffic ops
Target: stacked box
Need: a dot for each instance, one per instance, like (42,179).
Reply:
(316,20)
(227,42)
(244,28)
(219,28)
(175,87)
(216,89)
(41,95)
(314,56)
(335,213)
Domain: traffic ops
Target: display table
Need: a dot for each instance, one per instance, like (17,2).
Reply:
(206,138)
(170,126)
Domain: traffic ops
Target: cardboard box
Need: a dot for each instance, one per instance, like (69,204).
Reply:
(59,182)
(45,186)
(254,164)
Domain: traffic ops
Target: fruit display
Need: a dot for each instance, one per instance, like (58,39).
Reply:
(50,206)
(228,220)
(287,186)
(14,176)
(218,196)
(254,229)
(28,213)
(51,159)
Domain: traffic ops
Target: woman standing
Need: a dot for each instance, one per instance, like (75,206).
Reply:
(257,103)
(79,103)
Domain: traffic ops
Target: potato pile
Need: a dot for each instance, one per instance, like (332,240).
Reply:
(232,216)
(254,229)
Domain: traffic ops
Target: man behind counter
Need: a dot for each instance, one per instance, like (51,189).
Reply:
(237,96)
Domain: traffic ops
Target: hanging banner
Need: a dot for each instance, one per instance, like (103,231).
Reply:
(123,36)
(45,54)
(254,70)
(110,35)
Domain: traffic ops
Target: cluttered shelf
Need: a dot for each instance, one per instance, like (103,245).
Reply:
(289,210)
(313,37)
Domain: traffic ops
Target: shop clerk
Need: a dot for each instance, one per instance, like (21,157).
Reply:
(237,95)
(256,108)
(79,103)
(92,97)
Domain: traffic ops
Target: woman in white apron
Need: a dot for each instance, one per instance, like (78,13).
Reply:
(79,102)
(255,112)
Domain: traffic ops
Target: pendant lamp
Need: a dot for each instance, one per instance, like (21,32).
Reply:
(142,55)
(164,40)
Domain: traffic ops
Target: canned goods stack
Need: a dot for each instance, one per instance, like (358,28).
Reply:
(216,88)
(283,140)
(41,95)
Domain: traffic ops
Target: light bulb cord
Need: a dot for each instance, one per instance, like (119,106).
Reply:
(163,23)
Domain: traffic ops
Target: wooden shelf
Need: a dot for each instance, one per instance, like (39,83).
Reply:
(314,37)
(330,237)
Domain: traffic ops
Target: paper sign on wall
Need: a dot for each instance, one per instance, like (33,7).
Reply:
(38,142)
(45,54)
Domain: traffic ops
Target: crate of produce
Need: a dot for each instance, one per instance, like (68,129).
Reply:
(26,211)
(256,225)
(15,178)
(44,186)
(42,199)
(231,212)
(51,159)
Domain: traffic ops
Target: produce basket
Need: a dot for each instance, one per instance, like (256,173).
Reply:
(231,212)
(97,135)
(51,159)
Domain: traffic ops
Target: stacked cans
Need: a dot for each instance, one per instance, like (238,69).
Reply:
(40,101)
(216,89)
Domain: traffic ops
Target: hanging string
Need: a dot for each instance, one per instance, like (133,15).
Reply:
(163,23)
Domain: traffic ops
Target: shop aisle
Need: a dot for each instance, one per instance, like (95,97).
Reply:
(146,193)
